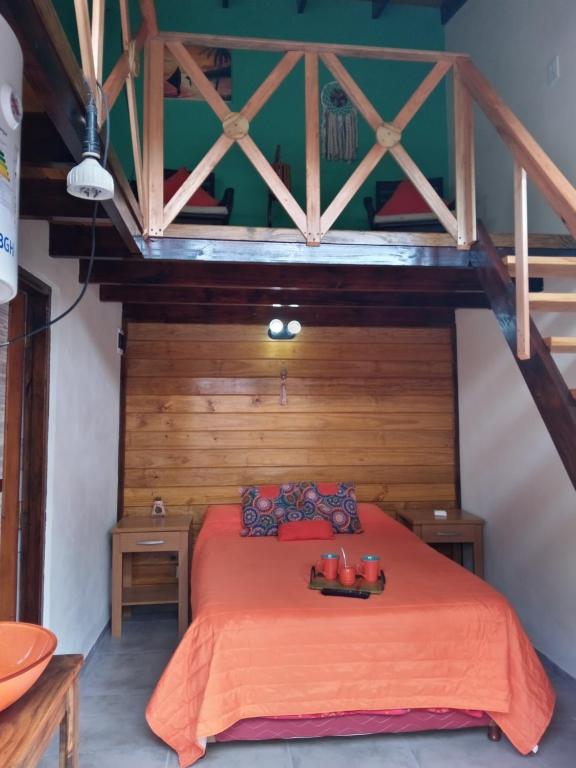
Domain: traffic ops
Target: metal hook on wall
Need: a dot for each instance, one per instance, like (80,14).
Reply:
(283,387)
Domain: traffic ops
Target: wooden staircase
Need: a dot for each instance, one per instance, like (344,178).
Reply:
(554,400)
(548,266)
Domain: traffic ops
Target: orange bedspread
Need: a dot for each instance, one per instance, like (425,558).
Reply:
(262,644)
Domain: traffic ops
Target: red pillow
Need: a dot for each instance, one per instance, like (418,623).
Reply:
(173,184)
(406,199)
(305,530)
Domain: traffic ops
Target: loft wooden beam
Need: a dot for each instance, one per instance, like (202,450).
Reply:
(266,297)
(85,41)
(312,100)
(285,235)
(148,12)
(52,70)
(378,7)
(153,167)
(412,274)
(121,70)
(465,171)
(407,317)
(449,8)
(98,36)
(131,50)
(353,51)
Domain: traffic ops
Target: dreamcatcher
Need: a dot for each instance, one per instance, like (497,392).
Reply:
(339,124)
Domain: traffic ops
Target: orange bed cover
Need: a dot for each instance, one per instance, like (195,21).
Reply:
(262,644)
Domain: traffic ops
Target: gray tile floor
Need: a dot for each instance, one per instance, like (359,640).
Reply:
(120,675)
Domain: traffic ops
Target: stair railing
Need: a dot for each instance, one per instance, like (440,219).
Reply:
(530,161)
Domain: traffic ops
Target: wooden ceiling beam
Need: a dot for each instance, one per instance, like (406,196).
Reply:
(440,317)
(137,294)
(321,278)
(53,72)
(351,252)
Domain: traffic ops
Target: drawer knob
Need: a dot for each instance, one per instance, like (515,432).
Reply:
(151,542)
(448,533)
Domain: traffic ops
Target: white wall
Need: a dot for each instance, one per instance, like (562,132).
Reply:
(510,471)
(83,434)
(512,41)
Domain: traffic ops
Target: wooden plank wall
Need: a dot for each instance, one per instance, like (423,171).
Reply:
(373,405)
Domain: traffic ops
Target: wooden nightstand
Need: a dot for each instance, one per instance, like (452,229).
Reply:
(458,528)
(150,534)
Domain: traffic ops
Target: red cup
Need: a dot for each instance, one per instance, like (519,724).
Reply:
(369,568)
(347,575)
(328,565)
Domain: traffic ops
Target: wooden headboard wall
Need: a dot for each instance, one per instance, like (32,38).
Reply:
(374,405)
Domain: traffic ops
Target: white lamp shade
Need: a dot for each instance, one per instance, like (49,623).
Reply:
(294,327)
(90,181)
(276,326)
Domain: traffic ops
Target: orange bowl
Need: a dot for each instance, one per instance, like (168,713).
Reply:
(25,650)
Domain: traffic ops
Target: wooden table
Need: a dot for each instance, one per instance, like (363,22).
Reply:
(458,527)
(150,534)
(27,727)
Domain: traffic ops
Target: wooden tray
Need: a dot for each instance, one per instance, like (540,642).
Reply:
(317,581)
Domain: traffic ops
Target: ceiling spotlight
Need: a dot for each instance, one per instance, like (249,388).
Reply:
(275,327)
(89,180)
(294,327)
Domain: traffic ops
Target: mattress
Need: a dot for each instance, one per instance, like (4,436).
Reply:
(263,645)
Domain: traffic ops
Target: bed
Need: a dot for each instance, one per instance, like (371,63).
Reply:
(263,648)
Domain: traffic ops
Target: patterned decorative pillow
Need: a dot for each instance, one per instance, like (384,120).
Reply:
(332,501)
(264,507)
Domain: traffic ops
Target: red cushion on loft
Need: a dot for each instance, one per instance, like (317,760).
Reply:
(173,184)
(305,530)
(406,199)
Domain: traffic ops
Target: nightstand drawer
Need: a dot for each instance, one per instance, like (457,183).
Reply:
(150,541)
(449,534)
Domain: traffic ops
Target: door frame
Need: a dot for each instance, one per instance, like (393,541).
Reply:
(26,454)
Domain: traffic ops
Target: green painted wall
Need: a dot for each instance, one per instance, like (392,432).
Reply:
(191,127)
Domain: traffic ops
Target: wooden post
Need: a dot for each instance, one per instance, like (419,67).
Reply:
(98,36)
(85,41)
(312,149)
(154,138)
(521,247)
(464,163)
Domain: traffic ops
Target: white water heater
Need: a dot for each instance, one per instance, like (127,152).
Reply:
(11,65)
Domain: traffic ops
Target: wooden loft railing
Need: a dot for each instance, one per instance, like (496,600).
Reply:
(313,224)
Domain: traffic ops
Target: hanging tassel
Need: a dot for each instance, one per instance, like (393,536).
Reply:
(283,391)
(339,128)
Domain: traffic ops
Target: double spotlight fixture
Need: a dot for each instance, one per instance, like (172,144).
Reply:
(281,331)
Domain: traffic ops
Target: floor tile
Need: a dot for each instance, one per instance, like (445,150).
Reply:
(245,754)
(387,751)
(138,757)
(142,636)
(469,748)
(112,673)
(558,747)
(114,722)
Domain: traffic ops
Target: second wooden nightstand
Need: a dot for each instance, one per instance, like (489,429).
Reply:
(457,528)
(150,534)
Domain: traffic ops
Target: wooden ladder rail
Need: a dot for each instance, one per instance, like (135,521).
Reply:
(541,374)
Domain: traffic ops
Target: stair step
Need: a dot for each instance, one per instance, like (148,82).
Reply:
(545,266)
(552,302)
(561,344)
